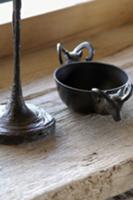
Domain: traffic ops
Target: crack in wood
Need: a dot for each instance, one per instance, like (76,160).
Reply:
(125,196)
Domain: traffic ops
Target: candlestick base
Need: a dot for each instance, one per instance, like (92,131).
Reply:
(16,132)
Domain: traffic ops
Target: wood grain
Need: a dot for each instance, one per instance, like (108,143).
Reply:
(36,64)
(88,18)
(89,157)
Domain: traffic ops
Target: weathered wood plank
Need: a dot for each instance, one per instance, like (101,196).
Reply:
(36,64)
(89,157)
(43,30)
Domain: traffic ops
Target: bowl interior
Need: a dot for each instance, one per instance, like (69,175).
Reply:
(91,75)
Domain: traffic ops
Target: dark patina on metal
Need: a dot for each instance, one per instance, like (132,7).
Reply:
(20,122)
(91,87)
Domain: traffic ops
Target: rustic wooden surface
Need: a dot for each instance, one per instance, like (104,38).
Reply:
(89,157)
(38,63)
(86,19)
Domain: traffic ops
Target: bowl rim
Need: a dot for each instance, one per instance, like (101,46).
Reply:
(91,62)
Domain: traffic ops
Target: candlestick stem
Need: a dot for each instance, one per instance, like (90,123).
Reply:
(20,122)
(17,90)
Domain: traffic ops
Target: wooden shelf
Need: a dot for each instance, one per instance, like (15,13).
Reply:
(45,29)
(89,157)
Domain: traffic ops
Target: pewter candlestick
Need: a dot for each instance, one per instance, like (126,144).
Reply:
(20,122)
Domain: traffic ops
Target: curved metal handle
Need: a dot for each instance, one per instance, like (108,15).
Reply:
(125,93)
(76,53)
(105,104)
(112,103)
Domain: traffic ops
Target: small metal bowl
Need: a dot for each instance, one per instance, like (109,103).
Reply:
(91,87)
